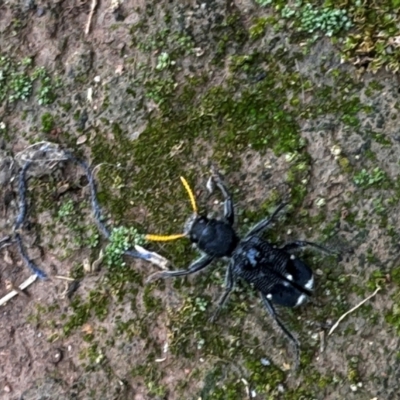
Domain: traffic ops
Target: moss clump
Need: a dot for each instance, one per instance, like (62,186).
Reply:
(151,303)
(96,305)
(373,27)
(393,316)
(258,27)
(121,240)
(395,276)
(47,122)
(17,79)
(370,178)
(345,165)
(353,375)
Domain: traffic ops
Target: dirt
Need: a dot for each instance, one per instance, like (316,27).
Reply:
(121,349)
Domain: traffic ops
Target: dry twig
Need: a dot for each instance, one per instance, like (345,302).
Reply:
(21,287)
(66,278)
(152,257)
(351,310)
(92,8)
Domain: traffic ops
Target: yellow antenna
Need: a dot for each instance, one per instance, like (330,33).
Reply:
(164,238)
(190,193)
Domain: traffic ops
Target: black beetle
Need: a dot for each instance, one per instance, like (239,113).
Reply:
(279,276)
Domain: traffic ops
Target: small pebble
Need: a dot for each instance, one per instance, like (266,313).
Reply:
(40,11)
(281,388)
(336,150)
(29,5)
(265,362)
(57,356)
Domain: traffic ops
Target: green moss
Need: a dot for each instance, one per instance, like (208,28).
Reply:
(258,27)
(239,63)
(17,80)
(66,106)
(381,139)
(372,28)
(121,239)
(213,389)
(395,275)
(353,375)
(47,122)
(96,305)
(264,379)
(151,303)
(345,164)
(370,178)
(151,376)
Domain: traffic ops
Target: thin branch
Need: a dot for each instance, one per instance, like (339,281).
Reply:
(66,278)
(22,286)
(351,310)
(92,8)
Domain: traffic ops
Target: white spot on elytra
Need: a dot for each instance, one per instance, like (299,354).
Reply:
(310,284)
(292,257)
(289,277)
(269,296)
(301,300)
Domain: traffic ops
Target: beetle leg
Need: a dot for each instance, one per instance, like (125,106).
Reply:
(229,212)
(196,266)
(262,225)
(298,244)
(229,285)
(268,305)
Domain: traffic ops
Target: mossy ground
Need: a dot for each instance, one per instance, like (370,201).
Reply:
(236,86)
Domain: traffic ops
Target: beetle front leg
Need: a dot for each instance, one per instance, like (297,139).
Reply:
(229,285)
(229,212)
(196,266)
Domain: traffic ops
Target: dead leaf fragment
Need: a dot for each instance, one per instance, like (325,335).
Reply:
(63,188)
(88,329)
(120,69)
(81,139)
(7,258)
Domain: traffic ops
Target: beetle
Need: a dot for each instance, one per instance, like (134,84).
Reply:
(280,277)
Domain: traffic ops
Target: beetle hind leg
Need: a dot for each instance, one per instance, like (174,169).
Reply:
(271,310)
(299,244)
